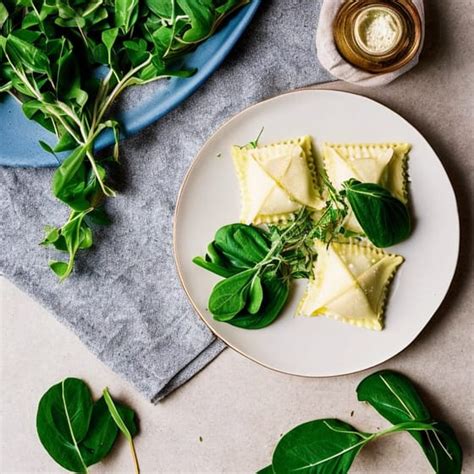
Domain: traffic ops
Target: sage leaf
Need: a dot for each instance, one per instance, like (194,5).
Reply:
(320,446)
(396,399)
(384,219)
(229,296)
(62,422)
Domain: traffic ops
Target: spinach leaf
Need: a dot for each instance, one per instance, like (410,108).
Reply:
(126,14)
(330,445)
(242,244)
(62,422)
(75,431)
(320,446)
(396,399)
(229,296)
(202,15)
(275,295)
(384,219)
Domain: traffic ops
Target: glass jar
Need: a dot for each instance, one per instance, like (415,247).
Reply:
(378,36)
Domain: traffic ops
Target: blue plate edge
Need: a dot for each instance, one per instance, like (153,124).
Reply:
(145,118)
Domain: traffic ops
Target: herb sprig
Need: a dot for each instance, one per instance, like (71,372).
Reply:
(67,62)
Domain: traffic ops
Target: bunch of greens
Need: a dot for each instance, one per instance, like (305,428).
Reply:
(68,61)
(78,432)
(258,264)
(331,445)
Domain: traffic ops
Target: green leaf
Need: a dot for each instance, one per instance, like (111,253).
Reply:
(243,245)
(275,296)
(384,219)
(229,296)
(61,269)
(27,54)
(3,14)
(108,38)
(65,143)
(396,399)
(126,14)
(120,417)
(69,180)
(320,446)
(101,435)
(202,15)
(266,470)
(62,422)
(255,295)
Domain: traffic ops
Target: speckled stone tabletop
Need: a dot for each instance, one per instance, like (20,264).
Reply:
(238,408)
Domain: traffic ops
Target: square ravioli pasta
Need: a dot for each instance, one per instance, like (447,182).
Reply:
(276,180)
(350,283)
(384,164)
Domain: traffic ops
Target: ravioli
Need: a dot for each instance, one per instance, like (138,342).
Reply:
(276,180)
(350,283)
(384,164)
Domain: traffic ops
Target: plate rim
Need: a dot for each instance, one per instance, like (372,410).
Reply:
(179,201)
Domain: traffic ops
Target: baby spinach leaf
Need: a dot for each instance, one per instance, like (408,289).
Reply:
(229,296)
(275,295)
(320,446)
(62,422)
(384,219)
(396,399)
(126,14)
(27,54)
(242,244)
(202,16)
(75,432)
(101,434)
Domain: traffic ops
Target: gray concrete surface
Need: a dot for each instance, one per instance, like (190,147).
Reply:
(239,408)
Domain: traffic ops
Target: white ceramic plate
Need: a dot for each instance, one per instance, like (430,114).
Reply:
(210,198)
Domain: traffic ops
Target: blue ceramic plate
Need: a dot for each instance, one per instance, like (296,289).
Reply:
(19,137)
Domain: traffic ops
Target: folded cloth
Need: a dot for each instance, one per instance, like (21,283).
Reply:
(330,58)
(124,300)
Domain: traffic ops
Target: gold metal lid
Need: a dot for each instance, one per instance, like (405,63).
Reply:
(406,39)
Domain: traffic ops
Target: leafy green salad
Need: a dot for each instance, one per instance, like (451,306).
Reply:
(68,61)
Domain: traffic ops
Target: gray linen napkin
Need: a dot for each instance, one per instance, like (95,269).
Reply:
(124,301)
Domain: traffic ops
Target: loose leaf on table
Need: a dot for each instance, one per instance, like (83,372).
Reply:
(103,431)
(120,418)
(384,219)
(396,399)
(320,446)
(62,422)
(75,431)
